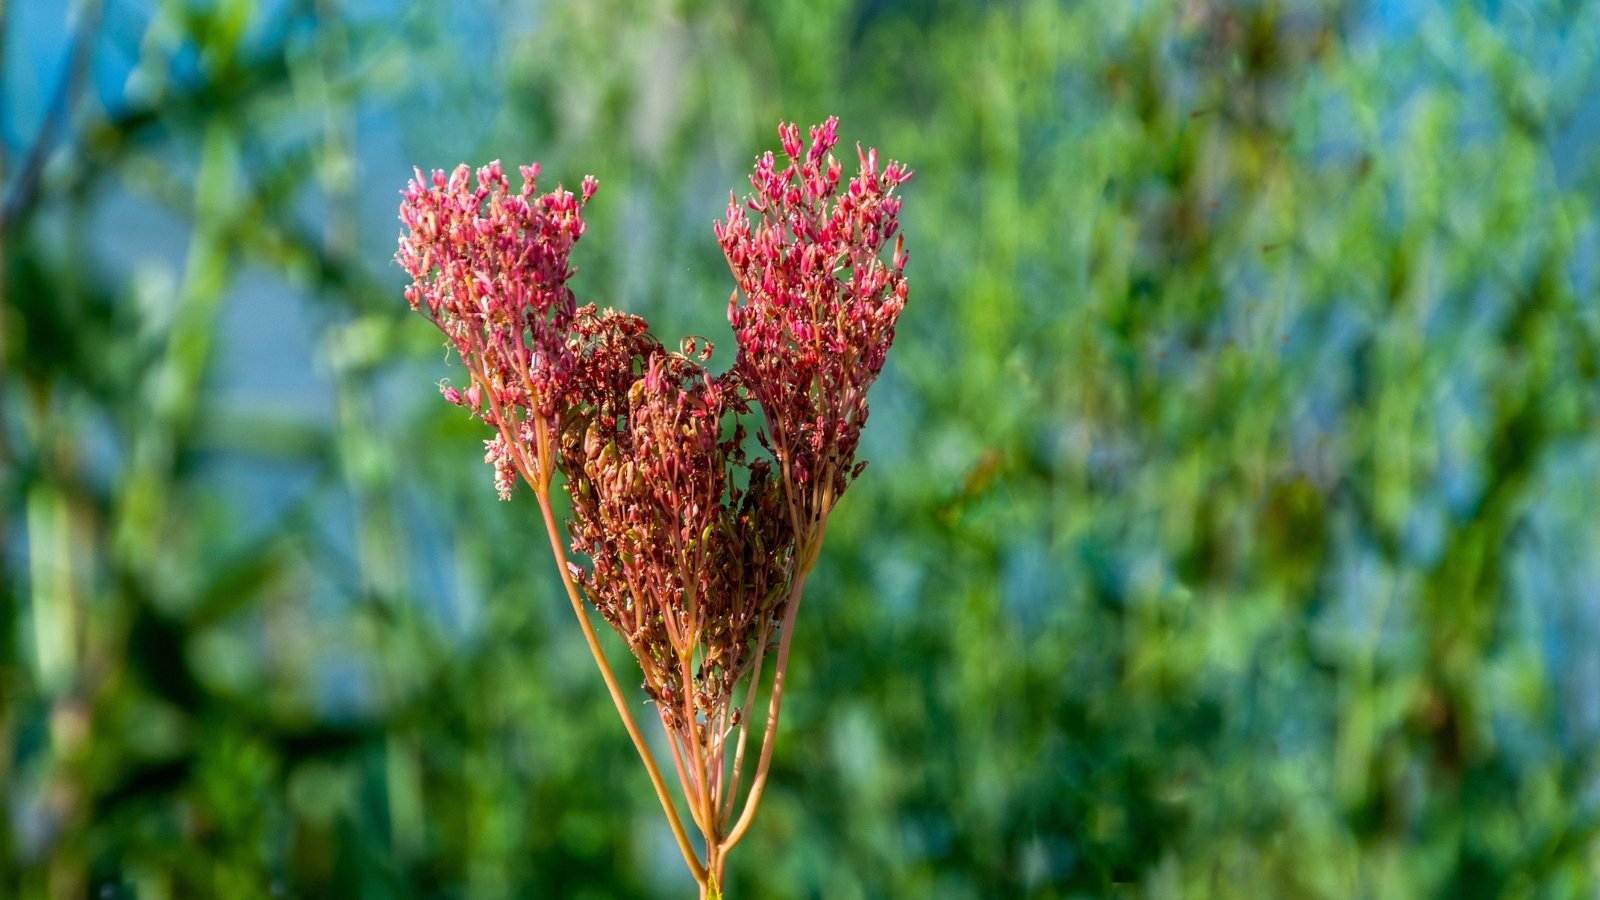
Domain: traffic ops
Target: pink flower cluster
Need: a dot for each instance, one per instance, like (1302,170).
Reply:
(693,551)
(815,308)
(490,268)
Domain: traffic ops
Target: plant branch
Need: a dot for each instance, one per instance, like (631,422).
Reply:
(674,744)
(726,811)
(759,783)
(60,111)
(682,837)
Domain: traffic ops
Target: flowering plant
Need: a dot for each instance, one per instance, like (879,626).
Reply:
(692,549)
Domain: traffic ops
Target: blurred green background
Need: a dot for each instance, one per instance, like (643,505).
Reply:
(1230,530)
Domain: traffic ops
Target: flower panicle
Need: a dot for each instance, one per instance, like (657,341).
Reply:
(668,512)
(815,303)
(489,267)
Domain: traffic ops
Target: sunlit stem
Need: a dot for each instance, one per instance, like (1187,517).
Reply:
(759,783)
(683,774)
(589,636)
(744,725)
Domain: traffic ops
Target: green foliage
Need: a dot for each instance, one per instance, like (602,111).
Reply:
(1230,524)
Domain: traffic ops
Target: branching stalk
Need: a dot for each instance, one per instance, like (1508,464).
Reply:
(780,669)
(593,640)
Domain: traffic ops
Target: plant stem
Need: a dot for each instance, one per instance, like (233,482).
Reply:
(725,810)
(711,888)
(759,783)
(689,856)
